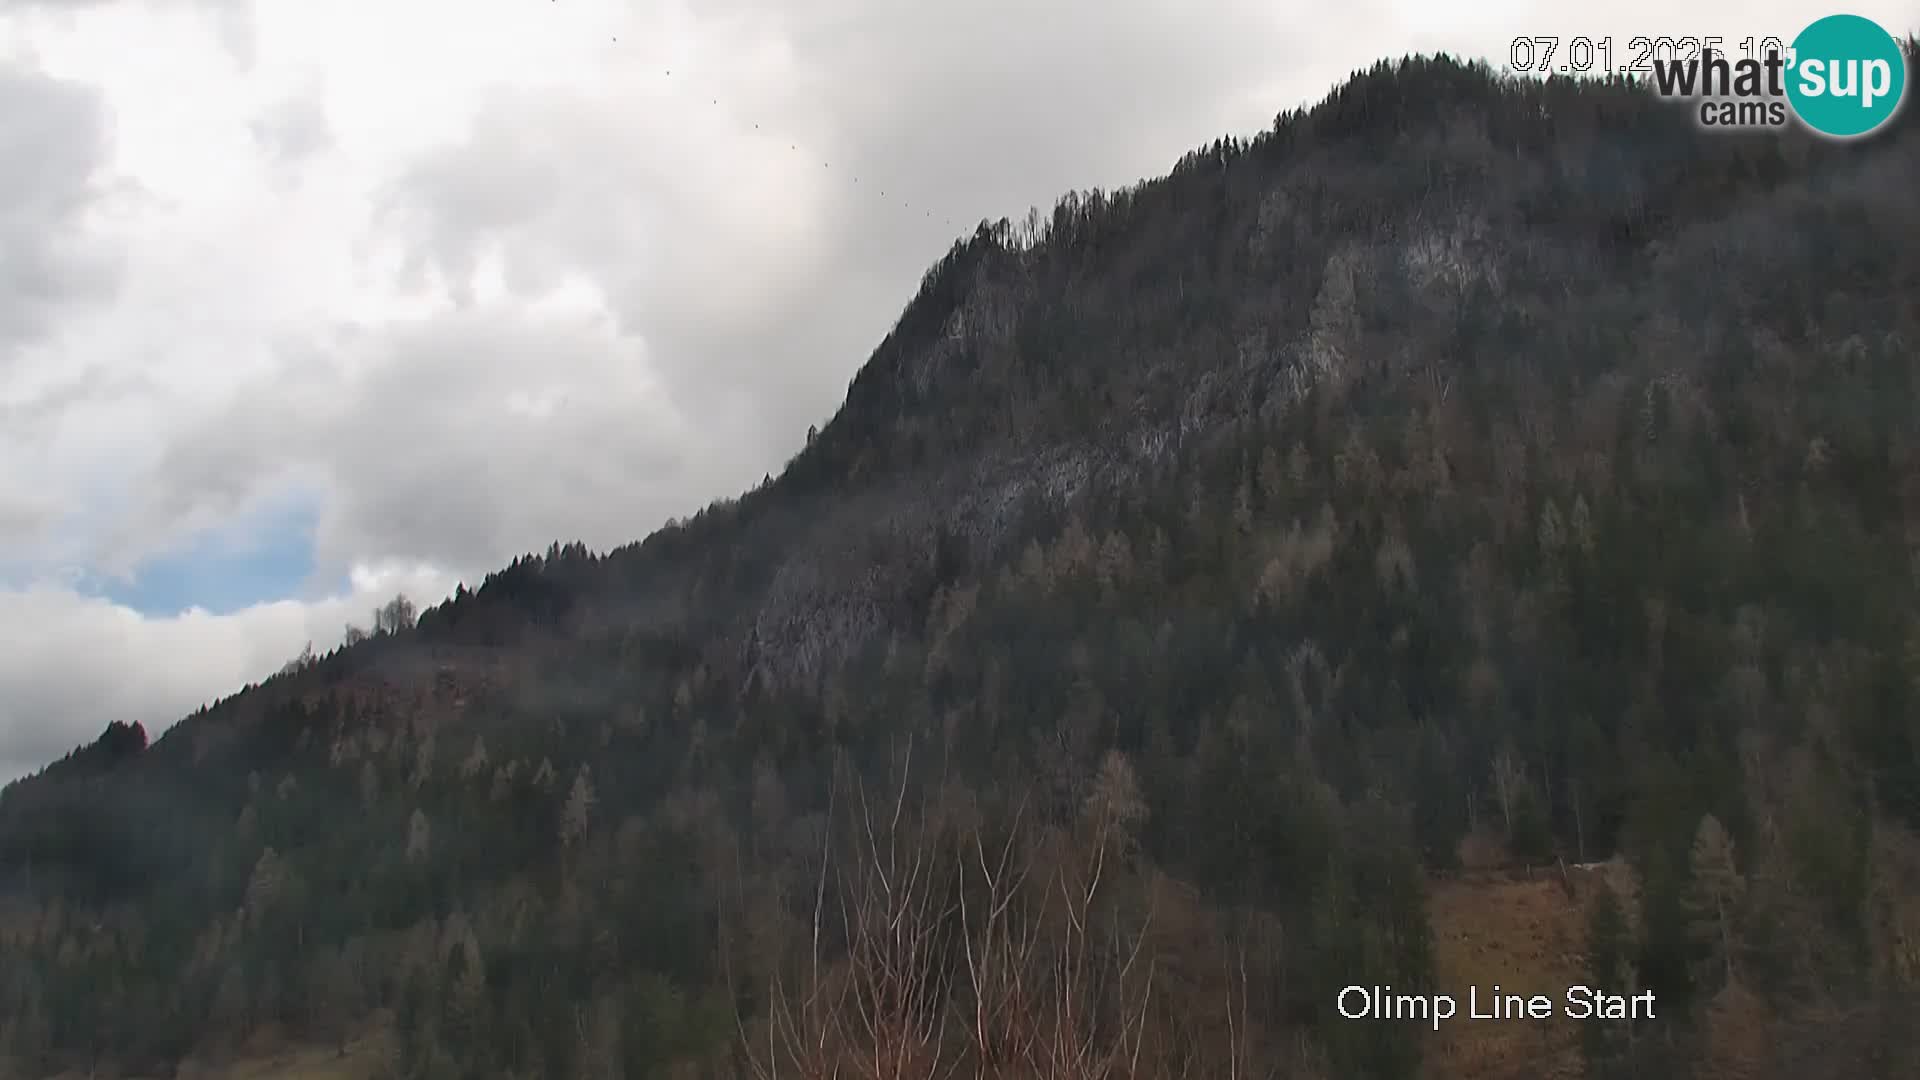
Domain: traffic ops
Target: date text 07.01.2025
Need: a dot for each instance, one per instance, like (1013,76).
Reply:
(1545,54)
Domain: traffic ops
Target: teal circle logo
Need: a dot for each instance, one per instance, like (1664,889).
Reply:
(1847,77)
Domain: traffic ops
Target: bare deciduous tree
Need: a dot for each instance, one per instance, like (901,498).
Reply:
(1008,950)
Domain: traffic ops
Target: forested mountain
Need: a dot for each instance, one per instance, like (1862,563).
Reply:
(1468,468)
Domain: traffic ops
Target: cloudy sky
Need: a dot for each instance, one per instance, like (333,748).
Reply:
(304,303)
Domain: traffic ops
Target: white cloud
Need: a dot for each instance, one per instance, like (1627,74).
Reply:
(482,276)
(427,443)
(153,671)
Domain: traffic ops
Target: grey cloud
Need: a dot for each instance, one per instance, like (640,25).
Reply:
(53,144)
(961,112)
(23,520)
(30,508)
(757,280)
(989,102)
(233,19)
(163,5)
(295,129)
(727,310)
(430,449)
(32,415)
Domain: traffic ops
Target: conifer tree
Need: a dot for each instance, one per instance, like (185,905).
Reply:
(1713,897)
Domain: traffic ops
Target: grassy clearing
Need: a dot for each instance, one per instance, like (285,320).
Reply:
(1527,936)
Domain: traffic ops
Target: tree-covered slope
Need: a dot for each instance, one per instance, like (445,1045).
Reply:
(1464,464)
